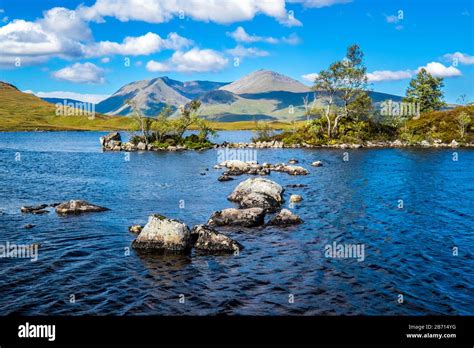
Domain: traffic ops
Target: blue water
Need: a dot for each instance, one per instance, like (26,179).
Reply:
(408,251)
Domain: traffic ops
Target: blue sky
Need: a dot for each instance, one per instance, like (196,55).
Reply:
(82,47)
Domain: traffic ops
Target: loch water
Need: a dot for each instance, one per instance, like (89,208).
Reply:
(411,209)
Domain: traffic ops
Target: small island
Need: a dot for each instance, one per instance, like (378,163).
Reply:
(341,115)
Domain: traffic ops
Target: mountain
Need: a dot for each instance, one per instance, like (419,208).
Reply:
(260,95)
(262,81)
(152,95)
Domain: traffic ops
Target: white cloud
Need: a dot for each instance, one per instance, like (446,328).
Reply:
(64,33)
(240,35)
(434,68)
(459,57)
(388,75)
(137,46)
(241,51)
(105,60)
(31,43)
(89,98)
(194,60)
(439,70)
(155,66)
(81,73)
(161,11)
(310,77)
(318,3)
(65,23)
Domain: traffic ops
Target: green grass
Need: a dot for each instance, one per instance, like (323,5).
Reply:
(441,125)
(23,112)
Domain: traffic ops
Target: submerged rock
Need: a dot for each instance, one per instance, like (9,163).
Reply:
(208,239)
(296,185)
(250,217)
(33,209)
(163,234)
(40,212)
(258,192)
(28,226)
(285,217)
(75,207)
(317,164)
(293,161)
(225,177)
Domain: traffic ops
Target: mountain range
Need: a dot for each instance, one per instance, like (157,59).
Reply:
(262,94)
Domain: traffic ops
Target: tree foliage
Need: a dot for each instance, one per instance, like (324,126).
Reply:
(343,87)
(163,130)
(426,90)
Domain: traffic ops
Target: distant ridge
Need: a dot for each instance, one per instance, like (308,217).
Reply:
(262,94)
(63,100)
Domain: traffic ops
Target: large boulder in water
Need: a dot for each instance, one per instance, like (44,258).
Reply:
(207,239)
(163,234)
(238,217)
(75,207)
(258,192)
(111,141)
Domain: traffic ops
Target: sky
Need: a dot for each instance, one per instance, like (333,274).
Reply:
(87,50)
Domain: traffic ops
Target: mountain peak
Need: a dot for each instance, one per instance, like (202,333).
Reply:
(262,81)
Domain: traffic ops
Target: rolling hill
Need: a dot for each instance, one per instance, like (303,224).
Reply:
(25,111)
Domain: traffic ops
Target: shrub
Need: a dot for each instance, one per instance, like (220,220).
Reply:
(263,132)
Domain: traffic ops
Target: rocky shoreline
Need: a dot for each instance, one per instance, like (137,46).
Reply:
(113,142)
